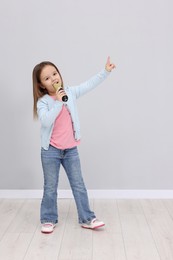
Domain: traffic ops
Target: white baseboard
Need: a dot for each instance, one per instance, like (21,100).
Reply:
(96,194)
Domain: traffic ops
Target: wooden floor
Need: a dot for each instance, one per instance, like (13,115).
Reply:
(135,230)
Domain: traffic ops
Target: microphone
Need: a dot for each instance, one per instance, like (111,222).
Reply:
(57,87)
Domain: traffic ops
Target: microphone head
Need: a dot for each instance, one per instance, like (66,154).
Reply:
(57,86)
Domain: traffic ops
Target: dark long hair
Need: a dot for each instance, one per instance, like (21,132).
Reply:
(38,91)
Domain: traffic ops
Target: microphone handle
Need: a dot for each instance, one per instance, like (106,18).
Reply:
(57,87)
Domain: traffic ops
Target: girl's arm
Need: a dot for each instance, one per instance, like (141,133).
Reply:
(94,81)
(46,116)
(90,84)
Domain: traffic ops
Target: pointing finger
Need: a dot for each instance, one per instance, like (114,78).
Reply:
(108,60)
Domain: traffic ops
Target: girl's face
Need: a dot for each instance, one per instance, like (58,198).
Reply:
(48,77)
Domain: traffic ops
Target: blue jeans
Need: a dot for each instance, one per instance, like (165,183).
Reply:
(51,161)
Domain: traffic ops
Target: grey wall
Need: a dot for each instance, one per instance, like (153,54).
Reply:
(130,143)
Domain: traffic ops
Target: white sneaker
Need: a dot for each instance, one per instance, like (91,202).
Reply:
(47,227)
(95,223)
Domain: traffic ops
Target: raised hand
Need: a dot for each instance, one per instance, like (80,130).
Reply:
(109,66)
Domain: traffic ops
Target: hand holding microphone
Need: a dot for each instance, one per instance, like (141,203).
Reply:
(60,90)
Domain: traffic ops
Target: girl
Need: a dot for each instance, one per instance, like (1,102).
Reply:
(60,136)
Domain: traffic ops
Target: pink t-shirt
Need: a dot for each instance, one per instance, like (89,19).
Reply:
(62,134)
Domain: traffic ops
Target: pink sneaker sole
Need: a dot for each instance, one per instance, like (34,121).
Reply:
(47,232)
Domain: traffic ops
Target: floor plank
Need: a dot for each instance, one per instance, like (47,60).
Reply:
(13,246)
(76,242)
(26,219)
(138,240)
(161,226)
(168,203)
(108,241)
(8,211)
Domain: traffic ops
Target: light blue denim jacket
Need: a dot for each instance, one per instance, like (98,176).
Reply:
(48,109)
